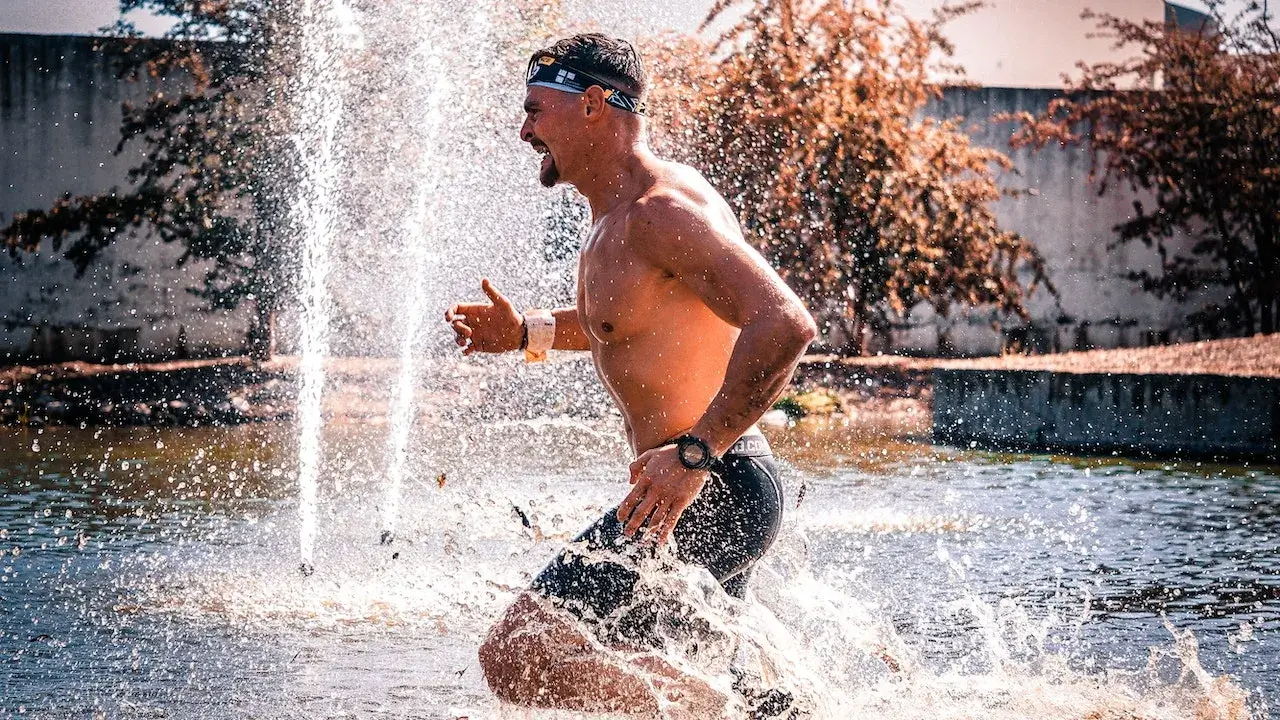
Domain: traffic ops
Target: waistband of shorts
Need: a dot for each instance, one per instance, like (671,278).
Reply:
(752,445)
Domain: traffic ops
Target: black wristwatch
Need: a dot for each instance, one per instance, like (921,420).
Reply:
(694,453)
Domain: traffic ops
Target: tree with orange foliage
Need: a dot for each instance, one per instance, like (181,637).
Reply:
(808,115)
(1191,123)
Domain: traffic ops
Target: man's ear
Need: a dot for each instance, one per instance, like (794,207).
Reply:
(593,101)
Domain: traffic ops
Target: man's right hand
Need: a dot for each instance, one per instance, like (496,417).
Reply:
(491,327)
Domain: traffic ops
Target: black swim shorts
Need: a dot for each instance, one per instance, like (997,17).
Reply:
(726,530)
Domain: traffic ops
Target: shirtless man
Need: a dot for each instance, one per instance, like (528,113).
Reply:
(694,336)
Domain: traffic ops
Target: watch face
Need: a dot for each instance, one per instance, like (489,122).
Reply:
(693,454)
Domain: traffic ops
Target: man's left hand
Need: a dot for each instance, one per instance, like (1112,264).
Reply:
(663,489)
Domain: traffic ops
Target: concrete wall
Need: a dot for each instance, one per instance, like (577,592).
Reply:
(1073,227)
(60,112)
(1182,416)
(59,122)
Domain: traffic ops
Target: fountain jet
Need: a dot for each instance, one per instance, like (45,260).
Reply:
(318,114)
(419,234)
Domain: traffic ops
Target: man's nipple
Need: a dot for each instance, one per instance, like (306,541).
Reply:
(606,327)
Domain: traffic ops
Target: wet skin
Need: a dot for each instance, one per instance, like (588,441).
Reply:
(660,350)
(689,328)
(690,331)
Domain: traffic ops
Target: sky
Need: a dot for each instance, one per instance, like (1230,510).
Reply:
(59,17)
(1011,43)
(84,17)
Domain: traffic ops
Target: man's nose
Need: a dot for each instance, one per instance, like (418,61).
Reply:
(526,131)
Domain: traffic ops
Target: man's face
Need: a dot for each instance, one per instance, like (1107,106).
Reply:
(546,126)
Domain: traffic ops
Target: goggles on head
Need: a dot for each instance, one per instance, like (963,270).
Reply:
(546,71)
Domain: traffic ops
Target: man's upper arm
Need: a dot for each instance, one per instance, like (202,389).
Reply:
(732,278)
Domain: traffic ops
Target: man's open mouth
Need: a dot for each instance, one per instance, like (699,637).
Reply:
(548,174)
(545,152)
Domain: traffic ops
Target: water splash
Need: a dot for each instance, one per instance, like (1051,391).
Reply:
(421,233)
(322,26)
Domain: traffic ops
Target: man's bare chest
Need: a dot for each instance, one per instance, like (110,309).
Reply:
(619,293)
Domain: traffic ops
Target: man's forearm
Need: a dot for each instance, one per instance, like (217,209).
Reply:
(763,360)
(569,333)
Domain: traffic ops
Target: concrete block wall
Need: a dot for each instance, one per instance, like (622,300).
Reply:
(1183,416)
(1073,228)
(60,112)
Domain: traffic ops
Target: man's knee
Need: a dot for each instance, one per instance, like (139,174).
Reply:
(516,652)
(507,667)
(506,675)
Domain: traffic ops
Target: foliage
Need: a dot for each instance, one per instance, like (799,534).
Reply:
(218,161)
(811,402)
(1191,122)
(808,115)
(212,174)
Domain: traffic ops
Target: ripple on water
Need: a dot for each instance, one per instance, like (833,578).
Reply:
(972,588)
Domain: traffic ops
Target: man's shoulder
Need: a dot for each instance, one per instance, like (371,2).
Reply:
(680,198)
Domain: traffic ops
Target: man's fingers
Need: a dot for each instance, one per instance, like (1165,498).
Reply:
(629,503)
(497,297)
(668,526)
(656,520)
(662,533)
(461,333)
(641,514)
(465,310)
(671,519)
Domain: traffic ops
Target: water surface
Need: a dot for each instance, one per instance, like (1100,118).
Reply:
(153,573)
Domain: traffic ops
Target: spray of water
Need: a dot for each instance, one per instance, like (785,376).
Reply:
(319,114)
(421,237)
(827,644)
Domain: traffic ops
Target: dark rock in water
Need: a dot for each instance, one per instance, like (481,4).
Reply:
(307,569)
(387,537)
(395,556)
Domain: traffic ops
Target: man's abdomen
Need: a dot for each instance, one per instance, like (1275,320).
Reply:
(664,385)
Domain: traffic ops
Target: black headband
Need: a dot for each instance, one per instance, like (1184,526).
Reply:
(546,71)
